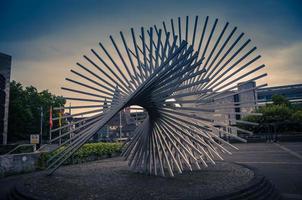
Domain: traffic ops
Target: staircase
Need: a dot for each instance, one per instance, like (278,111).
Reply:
(258,189)
(15,194)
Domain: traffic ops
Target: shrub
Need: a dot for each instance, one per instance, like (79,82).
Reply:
(88,152)
(297,116)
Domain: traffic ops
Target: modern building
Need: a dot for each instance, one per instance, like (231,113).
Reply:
(246,98)
(5,70)
(292,92)
(230,106)
(138,116)
(242,98)
(121,126)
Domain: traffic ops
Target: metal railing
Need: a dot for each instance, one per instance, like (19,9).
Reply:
(21,145)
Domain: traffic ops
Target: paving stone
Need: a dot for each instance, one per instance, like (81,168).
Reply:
(112,179)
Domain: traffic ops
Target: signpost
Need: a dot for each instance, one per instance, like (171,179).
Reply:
(35,139)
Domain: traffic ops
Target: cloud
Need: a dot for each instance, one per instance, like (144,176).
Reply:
(284,65)
(46,39)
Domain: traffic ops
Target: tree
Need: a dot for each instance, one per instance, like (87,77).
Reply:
(281,114)
(24,110)
(280,100)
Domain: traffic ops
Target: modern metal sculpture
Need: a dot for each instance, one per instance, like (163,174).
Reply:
(177,73)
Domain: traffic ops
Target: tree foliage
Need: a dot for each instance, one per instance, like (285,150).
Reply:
(280,100)
(281,114)
(24,111)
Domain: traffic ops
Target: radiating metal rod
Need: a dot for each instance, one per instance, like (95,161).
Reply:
(183,77)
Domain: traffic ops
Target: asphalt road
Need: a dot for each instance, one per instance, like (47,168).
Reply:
(279,162)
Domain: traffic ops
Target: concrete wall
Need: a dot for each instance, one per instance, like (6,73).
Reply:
(247,96)
(18,163)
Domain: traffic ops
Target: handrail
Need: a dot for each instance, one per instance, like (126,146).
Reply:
(17,147)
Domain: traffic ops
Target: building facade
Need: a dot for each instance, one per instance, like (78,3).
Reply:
(5,70)
(293,93)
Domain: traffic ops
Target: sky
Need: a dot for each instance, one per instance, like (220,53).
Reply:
(47,38)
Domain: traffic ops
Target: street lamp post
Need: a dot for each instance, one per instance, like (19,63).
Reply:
(41,125)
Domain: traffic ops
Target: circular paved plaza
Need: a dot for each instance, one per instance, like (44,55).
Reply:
(112,179)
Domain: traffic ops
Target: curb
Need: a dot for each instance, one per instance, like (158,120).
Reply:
(258,188)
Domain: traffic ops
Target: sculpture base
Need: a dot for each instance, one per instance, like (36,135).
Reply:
(112,179)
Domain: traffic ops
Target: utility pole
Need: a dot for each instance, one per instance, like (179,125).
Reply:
(69,122)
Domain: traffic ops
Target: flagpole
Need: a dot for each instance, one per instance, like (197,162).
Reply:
(41,125)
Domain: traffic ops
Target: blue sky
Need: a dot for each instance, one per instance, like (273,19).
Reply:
(46,38)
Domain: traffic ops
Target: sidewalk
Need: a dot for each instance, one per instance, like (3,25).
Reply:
(279,162)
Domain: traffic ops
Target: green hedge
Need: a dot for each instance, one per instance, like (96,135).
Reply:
(88,152)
